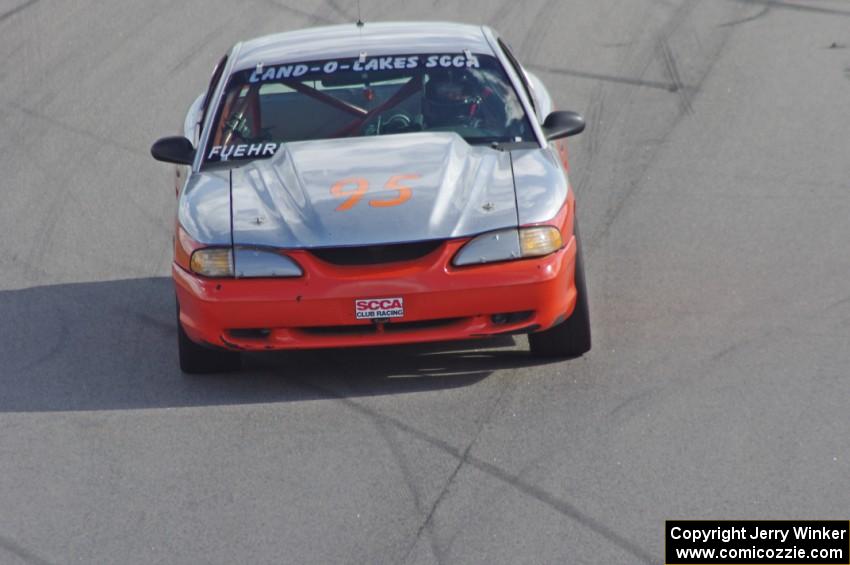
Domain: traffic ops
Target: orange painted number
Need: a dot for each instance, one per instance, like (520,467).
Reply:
(353,196)
(404,192)
(339,190)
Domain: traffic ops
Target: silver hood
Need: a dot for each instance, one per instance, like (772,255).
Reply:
(457,190)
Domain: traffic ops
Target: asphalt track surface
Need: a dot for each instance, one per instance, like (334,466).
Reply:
(713,194)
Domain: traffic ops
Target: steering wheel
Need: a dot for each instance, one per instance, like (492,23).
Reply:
(238,126)
(397,124)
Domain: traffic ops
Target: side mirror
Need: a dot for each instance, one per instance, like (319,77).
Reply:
(562,124)
(176,150)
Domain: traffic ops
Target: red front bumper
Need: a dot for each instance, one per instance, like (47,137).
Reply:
(441,302)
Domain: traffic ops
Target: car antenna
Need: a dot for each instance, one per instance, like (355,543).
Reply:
(360,25)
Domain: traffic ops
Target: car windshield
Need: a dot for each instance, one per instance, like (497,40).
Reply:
(266,106)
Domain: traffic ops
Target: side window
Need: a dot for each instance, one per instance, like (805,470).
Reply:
(518,69)
(219,68)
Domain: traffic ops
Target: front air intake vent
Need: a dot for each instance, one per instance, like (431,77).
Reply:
(389,327)
(376,254)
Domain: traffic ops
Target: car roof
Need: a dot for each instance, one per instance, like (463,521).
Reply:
(349,40)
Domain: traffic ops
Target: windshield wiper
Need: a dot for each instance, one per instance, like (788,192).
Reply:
(499,143)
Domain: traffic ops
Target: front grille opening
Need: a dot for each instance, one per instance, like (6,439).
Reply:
(511,317)
(389,327)
(376,254)
(341,330)
(252,333)
(420,325)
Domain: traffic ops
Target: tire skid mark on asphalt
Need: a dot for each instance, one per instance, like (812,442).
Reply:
(56,207)
(54,210)
(166,328)
(16,10)
(21,552)
(15,50)
(593,136)
(630,81)
(773,332)
(427,525)
(760,14)
(672,70)
(29,266)
(699,370)
(614,209)
(335,6)
(633,399)
(311,17)
(797,7)
(843,320)
(196,49)
(739,345)
(502,11)
(644,397)
(465,458)
(407,476)
(537,32)
(814,189)
(75,62)
(622,200)
(637,64)
(78,131)
(707,364)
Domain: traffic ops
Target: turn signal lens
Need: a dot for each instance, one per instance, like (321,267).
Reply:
(509,245)
(539,241)
(213,262)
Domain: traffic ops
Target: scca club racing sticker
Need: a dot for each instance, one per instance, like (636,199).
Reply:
(379,308)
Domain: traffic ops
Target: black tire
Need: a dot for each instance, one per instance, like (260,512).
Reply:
(570,338)
(198,360)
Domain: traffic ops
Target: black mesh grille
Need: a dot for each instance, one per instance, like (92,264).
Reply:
(391,327)
(421,325)
(376,254)
(341,330)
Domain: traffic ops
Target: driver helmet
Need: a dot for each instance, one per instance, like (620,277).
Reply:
(450,98)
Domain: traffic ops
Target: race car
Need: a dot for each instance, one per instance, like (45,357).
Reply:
(374,184)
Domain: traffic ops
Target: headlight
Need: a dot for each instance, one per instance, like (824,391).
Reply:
(244,262)
(488,248)
(510,244)
(264,263)
(215,262)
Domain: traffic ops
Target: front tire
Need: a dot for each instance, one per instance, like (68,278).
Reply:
(570,338)
(198,360)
